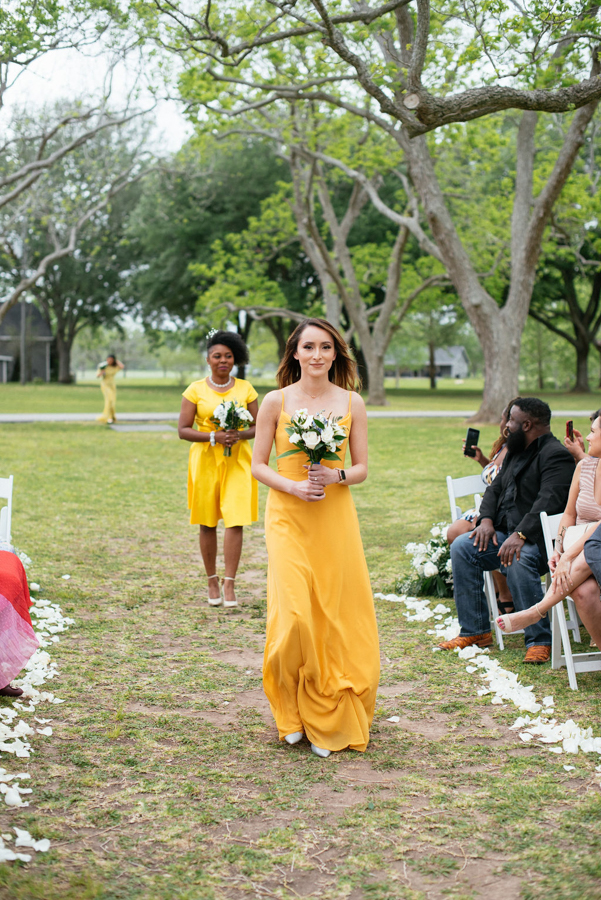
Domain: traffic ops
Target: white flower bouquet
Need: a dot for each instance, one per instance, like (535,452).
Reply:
(318,436)
(431,564)
(230,416)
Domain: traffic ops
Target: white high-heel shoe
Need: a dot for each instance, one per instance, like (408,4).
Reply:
(229,602)
(320,751)
(294,737)
(214,601)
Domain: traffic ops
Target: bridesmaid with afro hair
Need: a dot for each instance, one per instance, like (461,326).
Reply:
(220,487)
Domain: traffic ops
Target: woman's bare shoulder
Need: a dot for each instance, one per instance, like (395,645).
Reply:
(272,401)
(357,402)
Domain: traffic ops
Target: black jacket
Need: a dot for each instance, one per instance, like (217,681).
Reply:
(536,480)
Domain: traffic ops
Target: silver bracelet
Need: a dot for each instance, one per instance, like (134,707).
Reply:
(212,438)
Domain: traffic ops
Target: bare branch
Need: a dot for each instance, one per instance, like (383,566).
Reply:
(410,222)
(122,181)
(31,172)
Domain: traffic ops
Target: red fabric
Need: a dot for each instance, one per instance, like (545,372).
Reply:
(13,584)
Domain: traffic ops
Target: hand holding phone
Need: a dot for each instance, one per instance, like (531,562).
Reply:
(471,442)
(570,430)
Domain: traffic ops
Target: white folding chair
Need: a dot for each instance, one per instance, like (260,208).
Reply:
(574,662)
(6,493)
(461,487)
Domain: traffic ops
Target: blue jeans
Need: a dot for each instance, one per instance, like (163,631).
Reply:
(523,579)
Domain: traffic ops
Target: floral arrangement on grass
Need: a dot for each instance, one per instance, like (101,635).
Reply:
(230,416)
(319,436)
(431,563)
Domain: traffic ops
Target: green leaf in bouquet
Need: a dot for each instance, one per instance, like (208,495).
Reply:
(290,452)
(329,454)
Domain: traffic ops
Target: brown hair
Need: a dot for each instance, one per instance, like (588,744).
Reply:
(343,371)
(501,439)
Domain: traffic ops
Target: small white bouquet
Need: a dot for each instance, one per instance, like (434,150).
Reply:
(318,436)
(230,416)
(431,564)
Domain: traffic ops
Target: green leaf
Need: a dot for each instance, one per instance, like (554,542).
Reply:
(289,453)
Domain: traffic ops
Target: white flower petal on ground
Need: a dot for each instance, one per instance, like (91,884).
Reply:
(393,719)
(12,797)
(34,586)
(441,608)
(46,731)
(569,768)
(65,577)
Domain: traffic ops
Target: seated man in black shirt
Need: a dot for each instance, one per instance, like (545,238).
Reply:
(536,476)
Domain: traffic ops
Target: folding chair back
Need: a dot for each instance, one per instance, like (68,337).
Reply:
(461,487)
(6,493)
(574,662)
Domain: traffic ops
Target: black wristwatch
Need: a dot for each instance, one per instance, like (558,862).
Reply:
(341,475)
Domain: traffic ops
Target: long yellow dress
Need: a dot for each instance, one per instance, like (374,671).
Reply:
(220,487)
(109,391)
(322,663)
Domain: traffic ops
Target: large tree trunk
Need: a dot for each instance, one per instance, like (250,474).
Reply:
(501,347)
(374,362)
(63,347)
(582,351)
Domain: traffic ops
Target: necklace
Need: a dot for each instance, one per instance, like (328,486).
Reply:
(216,383)
(314,396)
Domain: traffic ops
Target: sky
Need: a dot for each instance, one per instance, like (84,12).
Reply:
(71,74)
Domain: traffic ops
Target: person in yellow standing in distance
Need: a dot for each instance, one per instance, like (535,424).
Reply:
(107,371)
(220,487)
(322,662)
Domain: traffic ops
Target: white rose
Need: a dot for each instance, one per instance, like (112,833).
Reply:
(430,570)
(294,438)
(308,423)
(435,532)
(311,439)
(327,435)
(449,567)
(444,532)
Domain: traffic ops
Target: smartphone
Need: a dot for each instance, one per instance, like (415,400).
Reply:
(471,442)
(570,430)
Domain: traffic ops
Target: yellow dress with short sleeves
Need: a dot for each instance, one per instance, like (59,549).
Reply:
(322,662)
(109,392)
(220,487)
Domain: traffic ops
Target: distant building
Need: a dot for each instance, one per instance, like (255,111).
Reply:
(451,362)
(38,344)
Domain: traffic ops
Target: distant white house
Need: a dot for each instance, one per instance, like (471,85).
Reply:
(451,362)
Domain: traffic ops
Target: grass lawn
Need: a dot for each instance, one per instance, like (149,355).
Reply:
(164,779)
(144,395)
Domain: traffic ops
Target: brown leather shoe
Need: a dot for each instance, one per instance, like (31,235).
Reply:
(10,691)
(539,653)
(482,640)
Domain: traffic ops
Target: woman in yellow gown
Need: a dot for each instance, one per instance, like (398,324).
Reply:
(107,371)
(322,664)
(220,487)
